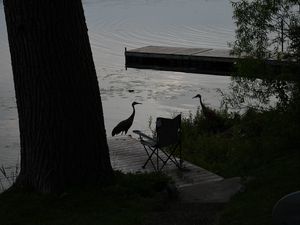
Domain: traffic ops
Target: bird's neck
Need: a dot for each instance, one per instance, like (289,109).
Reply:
(132,115)
(201,103)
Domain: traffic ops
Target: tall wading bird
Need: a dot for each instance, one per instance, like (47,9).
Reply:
(216,122)
(124,125)
(207,112)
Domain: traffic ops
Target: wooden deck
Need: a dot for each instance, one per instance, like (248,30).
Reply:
(196,60)
(128,155)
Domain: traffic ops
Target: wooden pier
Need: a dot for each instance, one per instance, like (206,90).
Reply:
(200,60)
(195,60)
(128,155)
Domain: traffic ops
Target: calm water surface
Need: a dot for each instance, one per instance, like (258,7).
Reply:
(116,24)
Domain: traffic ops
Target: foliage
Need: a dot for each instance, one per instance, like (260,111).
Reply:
(247,142)
(294,34)
(8,176)
(263,27)
(126,202)
(254,206)
(257,93)
(143,184)
(151,127)
(266,30)
(263,147)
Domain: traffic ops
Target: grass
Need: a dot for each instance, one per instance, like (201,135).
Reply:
(263,146)
(273,181)
(245,143)
(126,202)
(8,176)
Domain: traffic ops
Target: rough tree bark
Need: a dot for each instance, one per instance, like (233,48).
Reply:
(62,133)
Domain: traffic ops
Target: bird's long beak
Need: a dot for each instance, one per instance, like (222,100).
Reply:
(139,103)
(195,96)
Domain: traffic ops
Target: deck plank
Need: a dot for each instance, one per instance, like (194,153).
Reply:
(128,156)
(169,50)
(198,60)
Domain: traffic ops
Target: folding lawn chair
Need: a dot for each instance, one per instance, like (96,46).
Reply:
(167,136)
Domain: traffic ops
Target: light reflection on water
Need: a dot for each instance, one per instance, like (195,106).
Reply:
(115,24)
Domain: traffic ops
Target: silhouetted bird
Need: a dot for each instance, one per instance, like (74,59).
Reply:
(207,112)
(124,125)
(216,122)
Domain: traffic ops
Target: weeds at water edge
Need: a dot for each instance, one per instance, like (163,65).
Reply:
(8,177)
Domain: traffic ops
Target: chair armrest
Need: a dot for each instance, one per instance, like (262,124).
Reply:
(141,134)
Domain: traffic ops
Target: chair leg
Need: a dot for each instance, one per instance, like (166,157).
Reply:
(166,161)
(170,156)
(149,157)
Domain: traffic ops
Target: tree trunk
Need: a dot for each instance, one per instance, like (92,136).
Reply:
(62,133)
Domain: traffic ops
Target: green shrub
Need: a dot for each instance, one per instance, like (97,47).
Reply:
(246,141)
(128,201)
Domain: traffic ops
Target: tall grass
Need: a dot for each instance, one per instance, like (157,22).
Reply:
(244,142)
(128,201)
(261,144)
(8,176)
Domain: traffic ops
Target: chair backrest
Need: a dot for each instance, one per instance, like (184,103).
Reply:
(168,131)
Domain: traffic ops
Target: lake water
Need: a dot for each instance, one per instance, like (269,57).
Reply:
(116,24)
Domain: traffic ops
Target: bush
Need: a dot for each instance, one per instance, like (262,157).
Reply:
(244,143)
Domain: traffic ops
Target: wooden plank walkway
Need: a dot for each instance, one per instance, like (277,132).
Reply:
(196,60)
(128,156)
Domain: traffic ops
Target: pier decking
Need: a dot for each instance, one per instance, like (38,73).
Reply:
(196,60)
(128,155)
(199,60)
